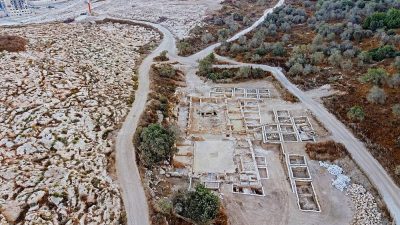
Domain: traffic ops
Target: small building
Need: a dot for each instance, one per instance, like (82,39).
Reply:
(15,8)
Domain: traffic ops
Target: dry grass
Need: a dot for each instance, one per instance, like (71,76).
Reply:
(12,43)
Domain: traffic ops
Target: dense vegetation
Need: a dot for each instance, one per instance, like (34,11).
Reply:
(207,70)
(352,45)
(388,20)
(232,17)
(157,144)
(200,205)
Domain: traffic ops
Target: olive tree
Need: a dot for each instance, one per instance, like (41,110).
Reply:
(200,205)
(376,95)
(396,110)
(356,113)
(376,76)
(157,144)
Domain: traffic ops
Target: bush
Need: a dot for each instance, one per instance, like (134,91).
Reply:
(376,76)
(166,70)
(184,48)
(200,205)
(205,65)
(12,43)
(336,58)
(356,113)
(376,95)
(244,72)
(157,144)
(398,142)
(296,70)
(396,110)
(394,80)
(317,58)
(207,38)
(396,63)
(163,56)
(383,52)
(390,20)
(397,169)
(278,49)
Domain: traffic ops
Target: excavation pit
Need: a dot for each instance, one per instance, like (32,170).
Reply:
(300,172)
(297,160)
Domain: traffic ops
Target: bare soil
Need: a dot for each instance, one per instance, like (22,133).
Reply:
(326,151)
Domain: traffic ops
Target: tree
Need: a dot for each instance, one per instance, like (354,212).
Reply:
(398,142)
(383,52)
(207,38)
(244,72)
(205,65)
(317,58)
(166,70)
(157,144)
(376,76)
(376,95)
(394,80)
(163,56)
(184,48)
(396,63)
(296,70)
(390,20)
(200,205)
(396,110)
(356,113)
(336,58)
(278,49)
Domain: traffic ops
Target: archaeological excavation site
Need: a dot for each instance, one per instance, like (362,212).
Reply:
(243,142)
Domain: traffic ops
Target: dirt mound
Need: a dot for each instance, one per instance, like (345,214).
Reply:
(12,43)
(326,151)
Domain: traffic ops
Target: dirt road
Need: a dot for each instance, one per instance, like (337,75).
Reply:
(135,201)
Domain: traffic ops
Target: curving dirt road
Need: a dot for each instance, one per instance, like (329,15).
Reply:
(135,201)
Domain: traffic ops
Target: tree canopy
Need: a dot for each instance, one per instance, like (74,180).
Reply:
(157,144)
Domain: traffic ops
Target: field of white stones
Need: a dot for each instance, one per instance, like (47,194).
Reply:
(60,102)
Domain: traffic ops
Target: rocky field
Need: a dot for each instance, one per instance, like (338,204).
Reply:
(61,101)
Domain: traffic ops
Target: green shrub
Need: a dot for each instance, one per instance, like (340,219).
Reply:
(205,65)
(278,49)
(383,52)
(356,113)
(184,48)
(157,144)
(166,70)
(200,205)
(376,76)
(389,20)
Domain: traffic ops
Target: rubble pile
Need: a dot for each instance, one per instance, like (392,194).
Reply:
(59,102)
(342,181)
(366,209)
